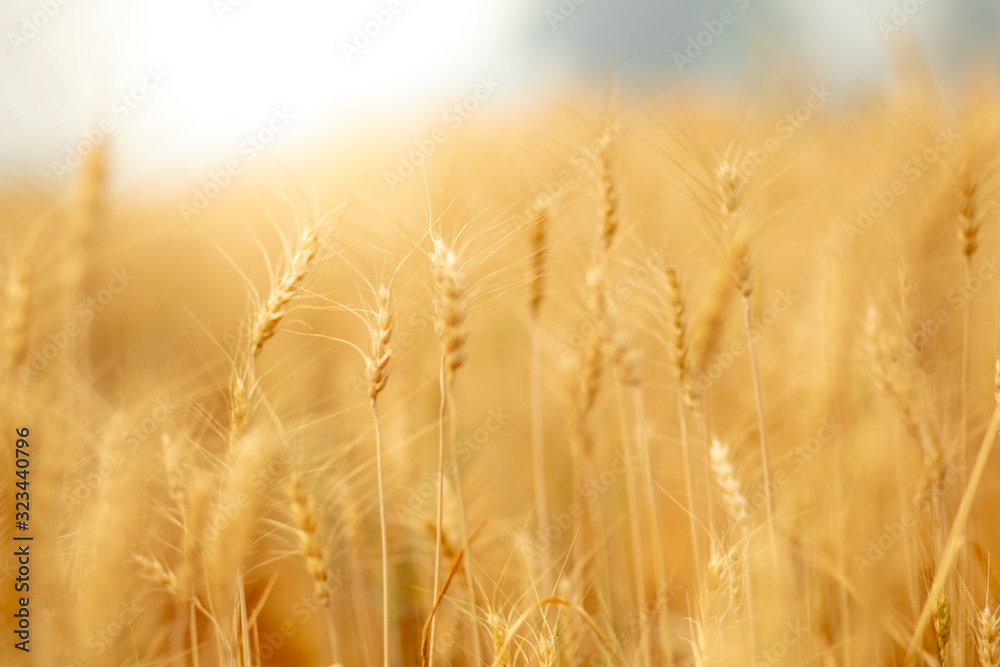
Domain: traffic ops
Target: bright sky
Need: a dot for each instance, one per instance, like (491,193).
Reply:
(198,76)
(194,77)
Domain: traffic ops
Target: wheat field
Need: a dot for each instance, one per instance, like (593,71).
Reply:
(658,379)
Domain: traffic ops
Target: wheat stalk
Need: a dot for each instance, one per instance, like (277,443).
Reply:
(731,185)
(659,568)
(677,338)
(449,322)
(377,367)
(969,222)
(627,372)
(538,234)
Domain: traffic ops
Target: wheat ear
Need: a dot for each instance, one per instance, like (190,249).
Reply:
(15,324)
(608,198)
(161,575)
(987,629)
(306,522)
(273,310)
(942,627)
(729,486)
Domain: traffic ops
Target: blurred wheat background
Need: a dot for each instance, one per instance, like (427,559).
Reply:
(541,347)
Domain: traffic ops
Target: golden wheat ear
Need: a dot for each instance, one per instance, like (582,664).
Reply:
(607,207)
(161,575)
(987,631)
(306,521)
(15,323)
(273,310)
(969,218)
(449,305)
(729,486)
(377,363)
(942,627)
(538,232)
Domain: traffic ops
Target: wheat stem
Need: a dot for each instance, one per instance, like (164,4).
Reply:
(768,501)
(663,618)
(537,439)
(383,533)
(442,412)
(633,516)
(950,550)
